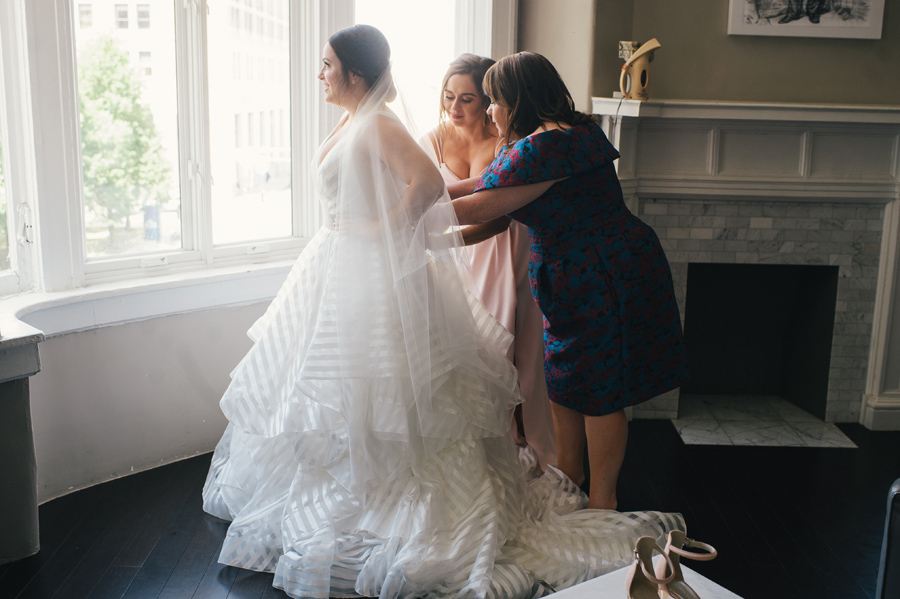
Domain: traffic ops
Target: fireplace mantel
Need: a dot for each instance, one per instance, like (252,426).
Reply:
(790,152)
(747,111)
(781,184)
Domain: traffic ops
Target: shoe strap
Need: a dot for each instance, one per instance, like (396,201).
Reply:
(702,557)
(651,577)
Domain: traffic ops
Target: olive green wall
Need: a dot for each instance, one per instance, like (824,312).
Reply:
(562,30)
(698,60)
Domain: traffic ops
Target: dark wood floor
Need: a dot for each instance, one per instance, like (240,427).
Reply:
(788,522)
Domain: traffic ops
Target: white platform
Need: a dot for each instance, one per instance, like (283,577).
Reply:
(613,585)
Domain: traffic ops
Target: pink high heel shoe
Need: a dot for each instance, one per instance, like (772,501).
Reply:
(640,583)
(677,588)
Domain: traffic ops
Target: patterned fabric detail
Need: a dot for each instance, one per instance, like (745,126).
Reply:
(612,331)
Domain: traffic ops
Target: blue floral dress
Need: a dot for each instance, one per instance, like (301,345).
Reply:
(612,332)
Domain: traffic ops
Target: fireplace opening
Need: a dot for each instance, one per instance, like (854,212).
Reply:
(753,329)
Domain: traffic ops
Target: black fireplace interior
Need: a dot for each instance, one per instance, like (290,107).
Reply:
(761,329)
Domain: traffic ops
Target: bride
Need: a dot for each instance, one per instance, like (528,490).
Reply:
(367,451)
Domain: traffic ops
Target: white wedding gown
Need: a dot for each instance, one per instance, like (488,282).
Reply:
(368,450)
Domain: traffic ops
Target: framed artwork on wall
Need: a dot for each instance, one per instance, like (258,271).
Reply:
(806,18)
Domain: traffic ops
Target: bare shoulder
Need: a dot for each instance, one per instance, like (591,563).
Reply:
(390,128)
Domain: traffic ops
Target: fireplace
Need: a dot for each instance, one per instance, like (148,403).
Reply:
(761,329)
(794,205)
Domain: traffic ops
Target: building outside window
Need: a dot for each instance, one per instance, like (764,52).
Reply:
(122,16)
(143,16)
(85,16)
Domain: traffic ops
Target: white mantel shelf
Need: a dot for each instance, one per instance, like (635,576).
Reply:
(752,111)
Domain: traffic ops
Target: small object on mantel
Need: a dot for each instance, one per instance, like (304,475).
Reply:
(635,78)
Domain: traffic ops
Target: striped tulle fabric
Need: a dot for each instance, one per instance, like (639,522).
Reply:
(446,512)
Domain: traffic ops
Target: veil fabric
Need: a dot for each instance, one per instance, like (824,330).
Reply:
(367,451)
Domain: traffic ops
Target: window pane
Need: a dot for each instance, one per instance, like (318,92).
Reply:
(122,16)
(421,49)
(4,229)
(250,160)
(143,16)
(129,136)
(85,15)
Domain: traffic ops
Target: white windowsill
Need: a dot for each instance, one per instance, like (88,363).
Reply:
(31,317)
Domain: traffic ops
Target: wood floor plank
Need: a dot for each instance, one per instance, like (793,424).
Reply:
(114,582)
(164,506)
(131,499)
(216,582)
(171,544)
(251,585)
(63,548)
(197,557)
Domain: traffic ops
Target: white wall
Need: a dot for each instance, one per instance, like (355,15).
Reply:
(116,400)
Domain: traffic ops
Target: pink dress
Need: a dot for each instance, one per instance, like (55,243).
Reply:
(500,275)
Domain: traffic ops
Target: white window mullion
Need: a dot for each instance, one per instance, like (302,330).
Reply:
(312,22)
(486,27)
(193,124)
(59,215)
(18,148)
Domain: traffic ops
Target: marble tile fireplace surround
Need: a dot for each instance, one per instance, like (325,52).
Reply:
(731,183)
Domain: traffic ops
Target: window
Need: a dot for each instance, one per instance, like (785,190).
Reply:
(85,16)
(419,55)
(122,16)
(196,192)
(129,141)
(143,16)
(17,158)
(144,61)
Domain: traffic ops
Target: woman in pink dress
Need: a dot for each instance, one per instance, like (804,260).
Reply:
(463,145)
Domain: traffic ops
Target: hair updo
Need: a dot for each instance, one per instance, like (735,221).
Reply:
(362,50)
(474,66)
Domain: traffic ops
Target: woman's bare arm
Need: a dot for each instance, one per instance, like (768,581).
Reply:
(463,187)
(406,158)
(488,204)
(477,233)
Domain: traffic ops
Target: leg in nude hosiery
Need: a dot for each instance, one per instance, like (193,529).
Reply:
(607,437)
(568,425)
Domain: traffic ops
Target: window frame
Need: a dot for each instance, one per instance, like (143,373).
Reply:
(60,259)
(18,149)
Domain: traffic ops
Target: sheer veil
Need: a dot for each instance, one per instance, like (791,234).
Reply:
(419,362)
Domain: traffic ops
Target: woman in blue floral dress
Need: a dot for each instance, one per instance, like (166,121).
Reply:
(612,330)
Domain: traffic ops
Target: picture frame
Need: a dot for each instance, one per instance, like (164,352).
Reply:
(860,19)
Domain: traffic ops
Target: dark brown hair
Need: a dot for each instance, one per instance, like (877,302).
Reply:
(363,50)
(530,88)
(474,66)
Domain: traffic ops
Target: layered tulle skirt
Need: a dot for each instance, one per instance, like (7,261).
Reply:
(346,474)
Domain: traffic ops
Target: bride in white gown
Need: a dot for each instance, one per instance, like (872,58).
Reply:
(368,449)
